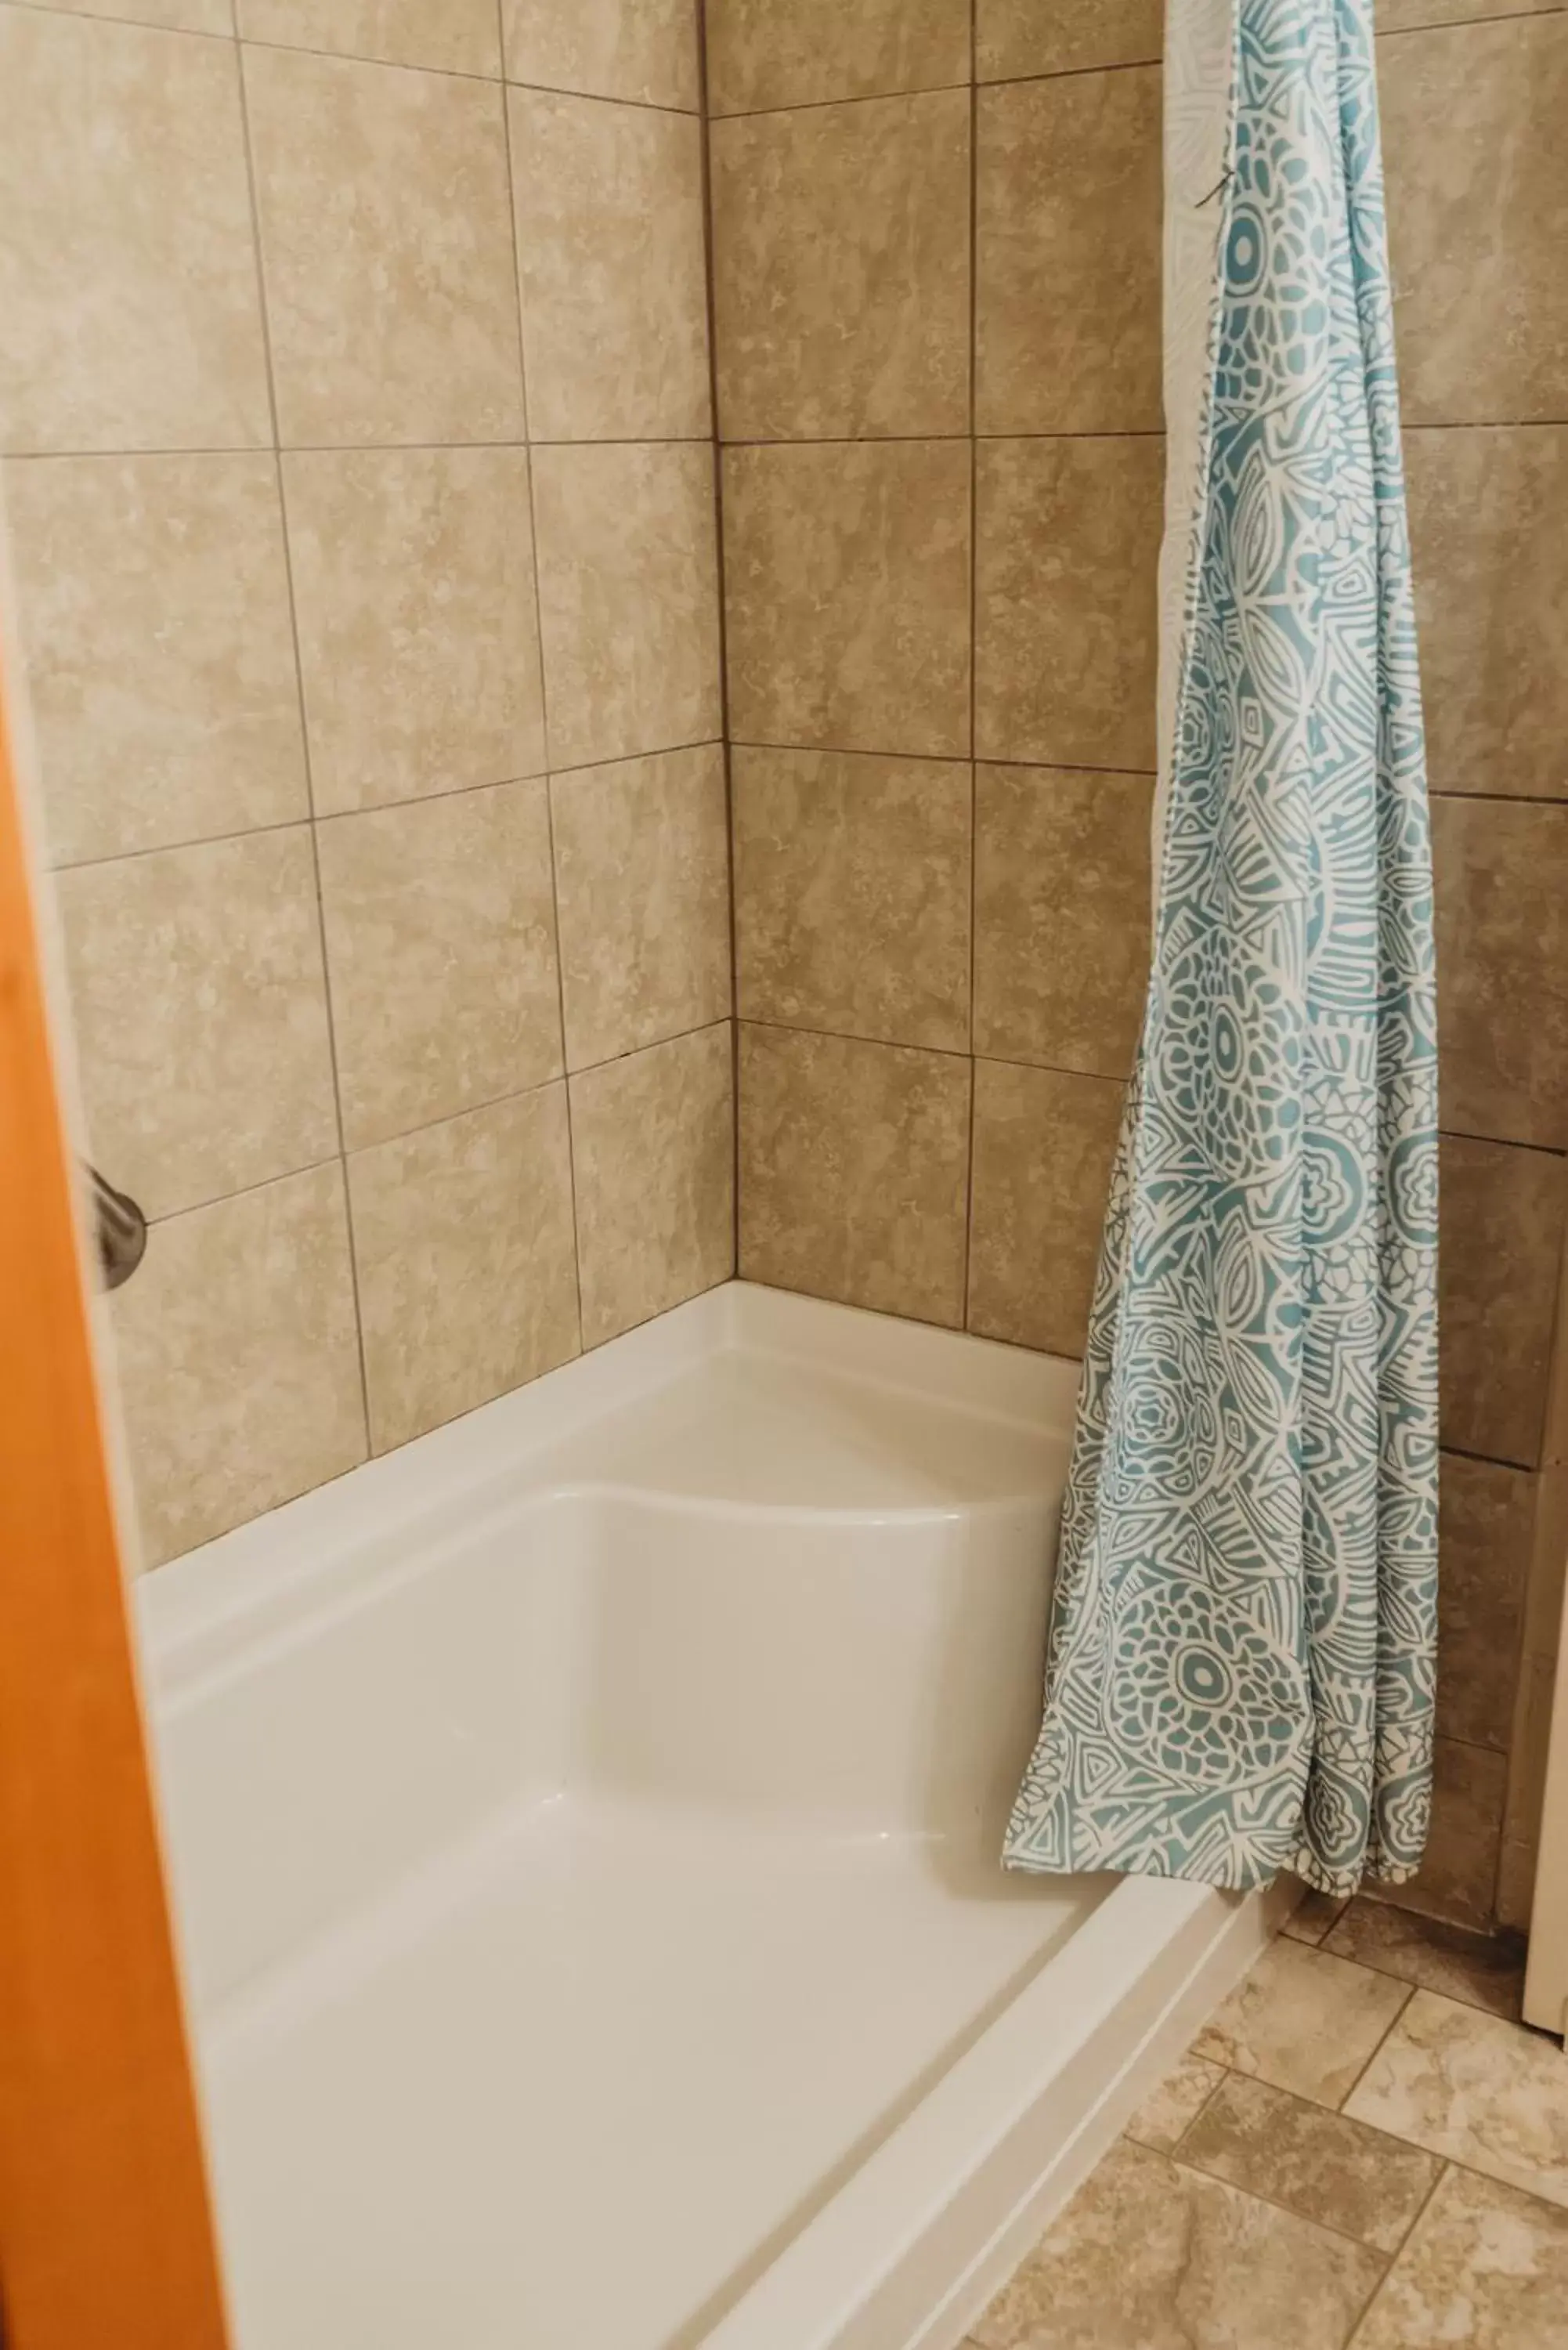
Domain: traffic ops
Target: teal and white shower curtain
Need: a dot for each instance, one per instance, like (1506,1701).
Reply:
(1240,1668)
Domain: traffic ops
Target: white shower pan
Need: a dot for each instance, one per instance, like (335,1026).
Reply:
(584,1827)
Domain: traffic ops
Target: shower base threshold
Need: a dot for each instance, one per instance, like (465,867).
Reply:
(584,1827)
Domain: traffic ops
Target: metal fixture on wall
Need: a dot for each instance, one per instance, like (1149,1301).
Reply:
(120,1230)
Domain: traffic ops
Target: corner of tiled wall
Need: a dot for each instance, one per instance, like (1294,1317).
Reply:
(936,252)
(355,405)
(937,307)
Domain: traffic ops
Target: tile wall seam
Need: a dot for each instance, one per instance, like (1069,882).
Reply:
(358,57)
(674,440)
(376,807)
(710,742)
(351,448)
(603,98)
(973,620)
(950,759)
(259,263)
(1071,73)
(873,1044)
(126,24)
(1469,24)
(699,15)
(564,1075)
(972,1050)
(499,80)
(244,1190)
(514,232)
(852,98)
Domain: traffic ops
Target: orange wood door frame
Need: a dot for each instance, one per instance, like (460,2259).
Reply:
(106,2235)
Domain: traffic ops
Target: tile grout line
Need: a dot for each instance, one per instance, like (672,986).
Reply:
(1469,24)
(1389,1974)
(380,807)
(513,225)
(1373,2053)
(698,439)
(561,1077)
(976,80)
(946,759)
(700,16)
(1273,2202)
(1397,2255)
(259,264)
(973,620)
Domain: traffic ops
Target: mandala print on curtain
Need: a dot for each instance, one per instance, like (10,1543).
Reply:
(1240,1674)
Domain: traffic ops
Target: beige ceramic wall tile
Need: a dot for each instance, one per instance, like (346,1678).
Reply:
(1321,2164)
(1484,1971)
(238,1360)
(1061,917)
(152,603)
(854,1172)
(642,886)
(1516,1871)
(127,280)
(1067,255)
(1068,544)
(846,570)
(611,259)
(176,15)
(1517,1860)
(1180,2097)
(1150,2253)
(852,894)
(440,940)
(1486,2268)
(1302,2021)
(628,595)
(1481,2091)
(1403,16)
(841,269)
(1044,1145)
(759,55)
(653,1159)
(1502,880)
(1458,1878)
(1502,1237)
(462,1236)
(199,1012)
(1489,528)
(419,638)
(1020,36)
(1486,1521)
(387,249)
(453,36)
(1477,251)
(644,49)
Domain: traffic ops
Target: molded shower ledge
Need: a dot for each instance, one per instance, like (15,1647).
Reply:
(583,1827)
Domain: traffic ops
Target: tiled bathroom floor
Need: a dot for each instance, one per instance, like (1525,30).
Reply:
(1363,2147)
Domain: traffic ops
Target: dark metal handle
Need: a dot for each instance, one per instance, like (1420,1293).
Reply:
(121,1230)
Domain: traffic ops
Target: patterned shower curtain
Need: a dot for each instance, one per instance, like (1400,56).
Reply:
(1241,1671)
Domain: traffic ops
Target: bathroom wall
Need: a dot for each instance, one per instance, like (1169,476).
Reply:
(1478,221)
(937,317)
(937,314)
(370,615)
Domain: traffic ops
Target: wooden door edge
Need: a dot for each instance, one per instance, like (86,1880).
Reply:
(106,2228)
